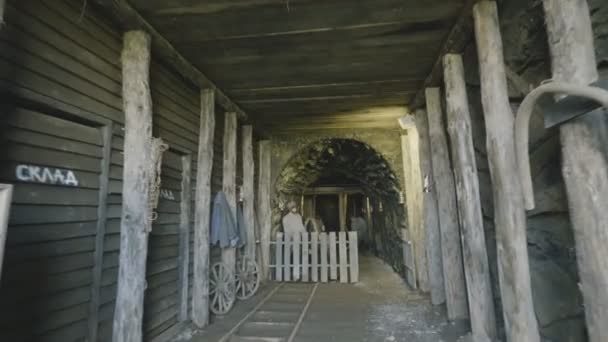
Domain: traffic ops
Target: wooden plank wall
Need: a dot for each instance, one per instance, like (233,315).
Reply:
(52,62)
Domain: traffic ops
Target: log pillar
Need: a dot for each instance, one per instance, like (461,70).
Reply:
(475,255)
(453,271)
(229,179)
(428,259)
(248,189)
(264,209)
(202,210)
(184,236)
(509,214)
(138,171)
(585,166)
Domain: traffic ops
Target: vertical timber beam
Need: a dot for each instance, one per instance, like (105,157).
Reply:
(412,183)
(184,236)
(585,166)
(264,211)
(202,211)
(135,223)
(453,271)
(229,180)
(509,214)
(475,255)
(248,189)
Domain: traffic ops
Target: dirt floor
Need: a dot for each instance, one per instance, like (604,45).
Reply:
(379,308)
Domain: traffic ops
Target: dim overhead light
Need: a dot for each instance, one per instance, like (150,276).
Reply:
(407,122)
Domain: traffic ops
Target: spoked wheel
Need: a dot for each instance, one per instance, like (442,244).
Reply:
(221,289)
(247,279)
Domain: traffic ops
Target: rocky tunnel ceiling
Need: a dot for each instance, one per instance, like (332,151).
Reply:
(330,159)
(291,63)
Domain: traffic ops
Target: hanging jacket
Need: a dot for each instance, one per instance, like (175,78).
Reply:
(224,230)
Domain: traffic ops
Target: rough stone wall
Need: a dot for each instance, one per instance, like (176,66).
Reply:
(554,275)
(387,143)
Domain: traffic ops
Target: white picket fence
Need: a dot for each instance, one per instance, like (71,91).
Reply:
(316,257)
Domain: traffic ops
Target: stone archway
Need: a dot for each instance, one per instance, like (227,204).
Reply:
(355,160)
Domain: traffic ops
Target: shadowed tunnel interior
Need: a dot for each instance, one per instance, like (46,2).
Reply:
(346,164)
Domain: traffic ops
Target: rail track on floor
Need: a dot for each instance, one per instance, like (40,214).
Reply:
(277,317)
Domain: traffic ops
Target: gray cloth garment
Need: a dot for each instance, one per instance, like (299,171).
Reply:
(224,230)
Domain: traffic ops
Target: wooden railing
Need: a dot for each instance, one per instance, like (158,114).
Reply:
(316,257)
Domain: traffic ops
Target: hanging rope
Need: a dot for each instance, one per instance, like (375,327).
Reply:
(157,149)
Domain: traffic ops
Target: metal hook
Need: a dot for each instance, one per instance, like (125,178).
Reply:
(522,126)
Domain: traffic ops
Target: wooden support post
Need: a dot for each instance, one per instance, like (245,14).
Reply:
(342,210)
(229,180)
(184,236)
(443,178)
(202,211)
(585,166)
(430,275)
(248,189)
(509,214)
(264,211)
(475,255)
(138,170)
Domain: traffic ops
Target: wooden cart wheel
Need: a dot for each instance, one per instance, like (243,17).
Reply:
(247,279)
(221,289)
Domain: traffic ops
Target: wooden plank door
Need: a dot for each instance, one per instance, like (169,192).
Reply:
(56,166)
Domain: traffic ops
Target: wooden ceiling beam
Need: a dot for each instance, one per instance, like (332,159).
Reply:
(322,85)
(279,18)
(131,19)
(311,126)
(460,35)
(325,98)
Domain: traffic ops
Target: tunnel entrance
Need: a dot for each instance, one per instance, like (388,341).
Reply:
(345,185)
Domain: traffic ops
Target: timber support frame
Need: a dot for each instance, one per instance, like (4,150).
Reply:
(509,213)
(248,191)
(137,173)
(585,160)
(229,181)
(415,147)
(475,255)
(202,211)
(453,270)
(264,205)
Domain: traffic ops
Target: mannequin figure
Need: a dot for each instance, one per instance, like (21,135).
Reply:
(292,225)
